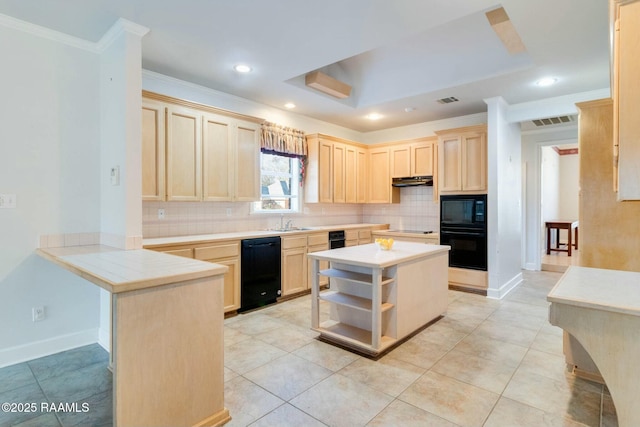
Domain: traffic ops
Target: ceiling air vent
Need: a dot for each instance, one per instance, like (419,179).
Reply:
(448,100)
(553,121)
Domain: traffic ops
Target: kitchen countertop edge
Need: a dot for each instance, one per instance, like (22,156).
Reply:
(158,242)
(118,270)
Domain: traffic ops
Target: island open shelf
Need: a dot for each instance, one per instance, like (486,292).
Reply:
(378,298)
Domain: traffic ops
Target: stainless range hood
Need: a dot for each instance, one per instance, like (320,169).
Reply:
(412,181)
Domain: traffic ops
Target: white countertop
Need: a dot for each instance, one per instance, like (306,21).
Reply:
(608,290)
(371,256)
(118,270)
(397,233)
(202,238)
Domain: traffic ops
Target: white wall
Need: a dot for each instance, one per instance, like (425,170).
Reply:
(550,175)
(568,205)
(49,150)
(504,200)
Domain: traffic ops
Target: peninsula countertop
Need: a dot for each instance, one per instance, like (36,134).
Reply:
(608,290)
(371,256)
(118,270)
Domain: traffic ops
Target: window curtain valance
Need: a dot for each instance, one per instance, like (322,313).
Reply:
(283,141)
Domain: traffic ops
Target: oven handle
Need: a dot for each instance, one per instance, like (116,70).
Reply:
(463,233)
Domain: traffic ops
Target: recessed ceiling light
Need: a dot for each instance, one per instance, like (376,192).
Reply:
(289,105)
(409,109)
(242,68)
(547,81)
(374,116)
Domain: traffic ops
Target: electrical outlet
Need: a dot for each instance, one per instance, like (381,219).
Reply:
(37,313)
(7,201)
(229,211)
(160,213)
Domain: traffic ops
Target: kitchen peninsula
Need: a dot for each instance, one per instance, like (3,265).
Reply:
(601,309)
(167,333)
(377,298)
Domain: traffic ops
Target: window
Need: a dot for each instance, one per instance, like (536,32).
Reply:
(280,184)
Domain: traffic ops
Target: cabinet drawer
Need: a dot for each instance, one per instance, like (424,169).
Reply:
(317,239)
(351,234)
(218,251)
(364,234)
(294,242)
(187,253)
(318,248)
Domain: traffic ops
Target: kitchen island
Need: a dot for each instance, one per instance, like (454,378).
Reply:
(377,298)
(167,333)
(601,309)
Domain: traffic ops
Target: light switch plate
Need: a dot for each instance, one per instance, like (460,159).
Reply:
(115,175)
(8,201)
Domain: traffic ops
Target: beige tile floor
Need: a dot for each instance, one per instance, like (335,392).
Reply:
(486,363)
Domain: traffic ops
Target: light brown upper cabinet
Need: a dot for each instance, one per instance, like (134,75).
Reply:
(153,140)
(380,189)
(412,158)
(400,160)
(462,160)
(336,170)
(184,162)
(206,154)
(422,157)
(626,97)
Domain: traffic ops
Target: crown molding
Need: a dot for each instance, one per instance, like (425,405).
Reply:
(121,26)
(47,33)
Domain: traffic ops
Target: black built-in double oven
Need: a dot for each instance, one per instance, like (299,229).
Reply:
(463,226)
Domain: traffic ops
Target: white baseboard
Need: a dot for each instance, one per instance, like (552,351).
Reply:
(505,288)
(34,350)
(530,266)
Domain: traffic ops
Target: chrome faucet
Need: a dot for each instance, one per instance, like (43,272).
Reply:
(281,221)
(288,225)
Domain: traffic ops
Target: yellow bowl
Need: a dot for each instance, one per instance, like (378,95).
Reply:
(384,244)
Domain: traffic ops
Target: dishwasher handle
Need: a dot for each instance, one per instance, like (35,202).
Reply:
(258,245)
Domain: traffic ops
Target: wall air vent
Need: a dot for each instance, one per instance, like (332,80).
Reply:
(448,100)
(553,121)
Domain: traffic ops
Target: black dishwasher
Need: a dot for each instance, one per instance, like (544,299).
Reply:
(259,272)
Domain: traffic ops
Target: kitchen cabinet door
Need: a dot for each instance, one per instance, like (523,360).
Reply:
(449,163)
(184,182)
(361,175)
(153,151)
(380,190)
(474,162)
(317,183)
(218,164)
(294,270)
(247,164)
(422,159)
(626,96)
(338,173)
(351,174)
(400,161)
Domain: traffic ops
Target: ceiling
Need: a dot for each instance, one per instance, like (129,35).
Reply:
(397,55)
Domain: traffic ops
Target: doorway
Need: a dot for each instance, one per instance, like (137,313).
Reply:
(559,200)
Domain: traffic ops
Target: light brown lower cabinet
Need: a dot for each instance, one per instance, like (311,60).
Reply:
(227,253)
(294,265)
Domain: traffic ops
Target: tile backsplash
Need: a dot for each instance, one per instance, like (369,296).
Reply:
(416,211)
